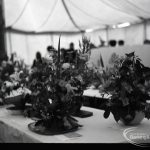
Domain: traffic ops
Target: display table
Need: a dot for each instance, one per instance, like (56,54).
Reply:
(95,93)
(96,129)
(93,98)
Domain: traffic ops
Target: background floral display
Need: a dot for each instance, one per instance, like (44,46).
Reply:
(13,83)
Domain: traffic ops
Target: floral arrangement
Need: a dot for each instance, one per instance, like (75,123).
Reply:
(12,82)
(1,93)
(13,91)
(52,99)
(92,76)
(83,65)
(84,45)
(54,87)
(94,73)
(128,83)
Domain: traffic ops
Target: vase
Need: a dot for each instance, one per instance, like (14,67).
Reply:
(77,112)
(14,111)
(139,116)
(17,101)
(54,126)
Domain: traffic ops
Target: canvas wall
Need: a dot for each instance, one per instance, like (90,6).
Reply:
(143,51)
(27,45)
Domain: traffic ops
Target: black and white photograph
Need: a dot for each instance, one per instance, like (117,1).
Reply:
(75,71)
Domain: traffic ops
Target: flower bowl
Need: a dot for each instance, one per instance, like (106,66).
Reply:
(139,116)
(15,100)
(14,111)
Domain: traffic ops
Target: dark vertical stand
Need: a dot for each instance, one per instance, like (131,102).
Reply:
(81,113)
(2,33)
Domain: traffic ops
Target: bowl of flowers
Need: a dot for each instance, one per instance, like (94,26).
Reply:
(15,92)
(128,83)
(53,87)
(51,106)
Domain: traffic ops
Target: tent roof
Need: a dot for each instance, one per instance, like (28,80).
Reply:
(72,16)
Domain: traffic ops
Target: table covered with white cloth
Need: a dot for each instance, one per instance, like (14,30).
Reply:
(93,98)
(96,129)
(95,93)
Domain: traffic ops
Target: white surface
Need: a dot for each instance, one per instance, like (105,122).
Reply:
(143,52)
(50,15)
(38,16)
(95,93)
(95,129)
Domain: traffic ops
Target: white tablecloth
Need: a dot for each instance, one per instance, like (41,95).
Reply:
(96,129)
(95,93)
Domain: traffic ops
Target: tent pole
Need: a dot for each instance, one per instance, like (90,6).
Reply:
(3,52)
(107,35)
(69,15)
(145,29)
(52,39)
(10,42)
(27,48)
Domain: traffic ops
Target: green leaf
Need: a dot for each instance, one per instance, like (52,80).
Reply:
(130,54)
(106,113)
(125,101)
(58,59)
(116,117)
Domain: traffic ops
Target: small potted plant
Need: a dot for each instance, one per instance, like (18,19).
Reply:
(128,83)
